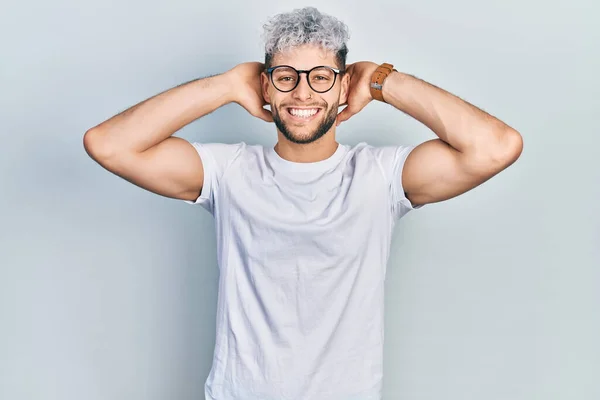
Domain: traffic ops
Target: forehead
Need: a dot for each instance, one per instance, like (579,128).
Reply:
(305,57)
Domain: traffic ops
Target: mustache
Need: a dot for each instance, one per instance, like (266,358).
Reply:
(303,105)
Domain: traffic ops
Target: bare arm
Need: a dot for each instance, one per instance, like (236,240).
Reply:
(138,146)
(473,146)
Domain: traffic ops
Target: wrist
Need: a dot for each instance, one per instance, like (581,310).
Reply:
(393,79)
(229,81)
(372,70)
(378,78)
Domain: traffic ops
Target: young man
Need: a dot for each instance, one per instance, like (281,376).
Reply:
(303,228)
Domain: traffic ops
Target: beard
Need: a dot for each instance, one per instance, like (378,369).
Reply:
(327,121)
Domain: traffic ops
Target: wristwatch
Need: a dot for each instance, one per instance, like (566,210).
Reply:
(378,78)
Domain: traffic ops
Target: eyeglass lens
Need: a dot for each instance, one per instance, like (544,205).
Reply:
(319,79)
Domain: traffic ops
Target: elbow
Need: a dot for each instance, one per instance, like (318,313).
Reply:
(492,156)
(505,150)
(95,145)
(88,141)
(509,148)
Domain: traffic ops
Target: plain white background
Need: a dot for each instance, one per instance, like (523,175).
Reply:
(109,292)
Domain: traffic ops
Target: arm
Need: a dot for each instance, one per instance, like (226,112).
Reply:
(473,146)
(137,144)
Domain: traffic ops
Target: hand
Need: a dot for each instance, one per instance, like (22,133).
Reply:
(247,88)
(359,92)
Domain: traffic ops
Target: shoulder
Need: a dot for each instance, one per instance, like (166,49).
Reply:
(226,153)
(216,148)
(389,159)
(382,154)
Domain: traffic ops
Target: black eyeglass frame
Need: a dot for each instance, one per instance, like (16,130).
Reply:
(336,72)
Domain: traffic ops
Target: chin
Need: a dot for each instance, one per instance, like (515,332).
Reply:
(310,133)
(304,134)
(302,139)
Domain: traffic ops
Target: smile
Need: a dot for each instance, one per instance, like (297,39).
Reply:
(303,114)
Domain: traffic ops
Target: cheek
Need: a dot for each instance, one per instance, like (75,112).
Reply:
(331,102)
(276,99)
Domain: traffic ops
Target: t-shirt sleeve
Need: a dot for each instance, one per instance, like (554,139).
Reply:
(392,160)
(216,158)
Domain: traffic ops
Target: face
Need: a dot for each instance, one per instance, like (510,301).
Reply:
(303,115)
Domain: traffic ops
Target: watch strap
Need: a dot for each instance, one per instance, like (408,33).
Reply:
(378,78)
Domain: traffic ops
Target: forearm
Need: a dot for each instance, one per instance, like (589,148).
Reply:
(462,125)
(157,118)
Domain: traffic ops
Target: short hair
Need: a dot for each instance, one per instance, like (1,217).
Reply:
(305,26)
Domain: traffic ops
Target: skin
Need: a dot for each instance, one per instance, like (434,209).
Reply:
(302,141)
(472,146)
(329,116)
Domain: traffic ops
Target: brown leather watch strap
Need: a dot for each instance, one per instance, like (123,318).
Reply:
(378,78)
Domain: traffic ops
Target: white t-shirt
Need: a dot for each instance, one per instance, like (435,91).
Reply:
(302,251)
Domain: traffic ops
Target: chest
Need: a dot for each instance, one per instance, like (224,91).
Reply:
(328,216)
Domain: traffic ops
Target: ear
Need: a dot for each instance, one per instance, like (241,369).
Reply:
(264,84)
(344,89)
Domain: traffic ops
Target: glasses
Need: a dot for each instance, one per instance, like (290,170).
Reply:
(286,78)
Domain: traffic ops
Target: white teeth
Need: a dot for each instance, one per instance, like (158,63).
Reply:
(303,113)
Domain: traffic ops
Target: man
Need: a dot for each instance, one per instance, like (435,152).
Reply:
(304,227)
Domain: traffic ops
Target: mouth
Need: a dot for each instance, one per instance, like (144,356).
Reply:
(303,114)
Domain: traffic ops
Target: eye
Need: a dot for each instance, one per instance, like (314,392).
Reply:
(285,78)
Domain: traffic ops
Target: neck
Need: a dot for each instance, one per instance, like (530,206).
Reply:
(319,150)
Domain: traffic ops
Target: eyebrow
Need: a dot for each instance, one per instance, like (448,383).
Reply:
(305,70)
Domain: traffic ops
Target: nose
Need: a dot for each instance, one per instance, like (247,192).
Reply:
(303,90)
